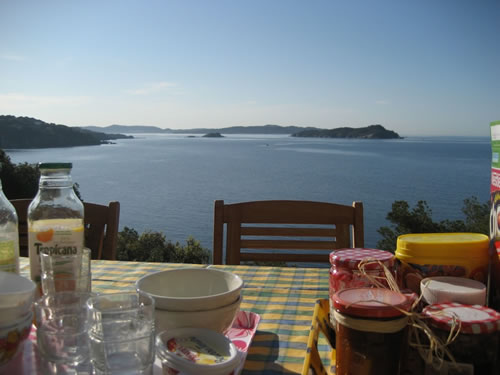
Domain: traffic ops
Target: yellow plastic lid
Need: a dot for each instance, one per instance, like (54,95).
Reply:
(442,245)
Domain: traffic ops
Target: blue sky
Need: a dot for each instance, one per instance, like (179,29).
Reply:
(426,67)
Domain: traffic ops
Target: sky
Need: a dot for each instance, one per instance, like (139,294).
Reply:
(426,67)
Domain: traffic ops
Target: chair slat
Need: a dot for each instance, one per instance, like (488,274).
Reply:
(284,245)
(288,232)
(277,257)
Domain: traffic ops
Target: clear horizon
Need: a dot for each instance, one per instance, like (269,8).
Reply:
(422,68)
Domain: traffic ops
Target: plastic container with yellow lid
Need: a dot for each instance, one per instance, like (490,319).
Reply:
(424,255)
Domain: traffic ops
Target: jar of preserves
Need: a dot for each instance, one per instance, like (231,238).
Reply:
(344,272)
(478,340)
(424,255)
(371,331)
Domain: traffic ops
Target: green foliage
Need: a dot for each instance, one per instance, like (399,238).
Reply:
(18,181)
(419,220)
(153,247)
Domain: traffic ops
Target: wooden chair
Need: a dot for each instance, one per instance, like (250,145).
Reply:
(101,227)
(295,231)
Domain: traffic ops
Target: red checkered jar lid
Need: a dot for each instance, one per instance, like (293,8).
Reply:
(475,319)
(350,258)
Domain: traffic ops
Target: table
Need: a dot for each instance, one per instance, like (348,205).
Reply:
(284,297)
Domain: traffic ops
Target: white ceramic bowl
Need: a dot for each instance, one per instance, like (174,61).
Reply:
(218,320)
(16,296)
(191,289)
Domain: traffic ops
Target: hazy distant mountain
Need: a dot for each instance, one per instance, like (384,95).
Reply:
(127,129)
(368,132)
(257,129)
(27,132)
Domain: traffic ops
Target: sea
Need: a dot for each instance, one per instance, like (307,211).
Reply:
(169,182)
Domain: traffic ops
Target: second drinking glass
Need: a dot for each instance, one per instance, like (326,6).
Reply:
(122,334)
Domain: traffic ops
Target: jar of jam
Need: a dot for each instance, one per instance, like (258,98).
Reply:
(478,340)
(421,255)
(371,331)
(344,272)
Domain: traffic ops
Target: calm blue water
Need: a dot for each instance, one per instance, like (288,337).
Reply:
(168,183)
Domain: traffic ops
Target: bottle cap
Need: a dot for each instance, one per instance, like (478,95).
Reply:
(55,165)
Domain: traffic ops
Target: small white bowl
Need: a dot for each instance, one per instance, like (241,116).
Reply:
(16,296)
(218,320)
(191,289)
(196,351)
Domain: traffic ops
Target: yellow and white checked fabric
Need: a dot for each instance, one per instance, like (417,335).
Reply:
(284,297)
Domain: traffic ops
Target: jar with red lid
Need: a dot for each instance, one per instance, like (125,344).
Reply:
(371,331)
(344,272)
(477,343)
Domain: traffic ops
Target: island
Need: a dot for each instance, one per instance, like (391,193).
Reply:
(213,135)
(27,132)
(368,132)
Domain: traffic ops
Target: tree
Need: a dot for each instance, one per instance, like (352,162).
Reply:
(419,220)
(153,247)
(20,181)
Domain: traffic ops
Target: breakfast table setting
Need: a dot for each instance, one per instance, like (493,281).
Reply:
(271,328)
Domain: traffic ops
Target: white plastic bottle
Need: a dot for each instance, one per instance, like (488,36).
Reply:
(55,217)
(9,235)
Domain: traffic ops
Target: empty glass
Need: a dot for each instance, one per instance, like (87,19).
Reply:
(122,339)
(62,328)
(66,272)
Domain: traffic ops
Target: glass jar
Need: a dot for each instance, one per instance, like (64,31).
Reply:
(478,340)
(371,331)
(424,255)
(55,217)
(9,235)
(344,272)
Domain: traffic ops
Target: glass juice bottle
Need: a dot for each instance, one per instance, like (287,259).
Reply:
(55,217)
(9,235)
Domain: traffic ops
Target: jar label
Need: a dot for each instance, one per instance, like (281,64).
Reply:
(410,274)
(54,237)
(8,258)
(195,350)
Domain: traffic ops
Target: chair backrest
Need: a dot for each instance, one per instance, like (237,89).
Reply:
(284,230)
(101,227)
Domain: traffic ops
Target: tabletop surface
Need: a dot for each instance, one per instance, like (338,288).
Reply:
(284,297)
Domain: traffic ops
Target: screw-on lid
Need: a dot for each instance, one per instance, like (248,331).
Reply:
(371,302)
(475,319)
(350,258)
(55,165)
(442,245)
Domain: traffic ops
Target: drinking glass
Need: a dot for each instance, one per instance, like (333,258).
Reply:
(66,272)
(62,328)
(122,335)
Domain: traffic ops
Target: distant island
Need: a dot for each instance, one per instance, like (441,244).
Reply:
(27,132)
(213,135)
(368,132)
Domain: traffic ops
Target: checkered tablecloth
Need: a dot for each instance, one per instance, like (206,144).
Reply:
(284,297)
